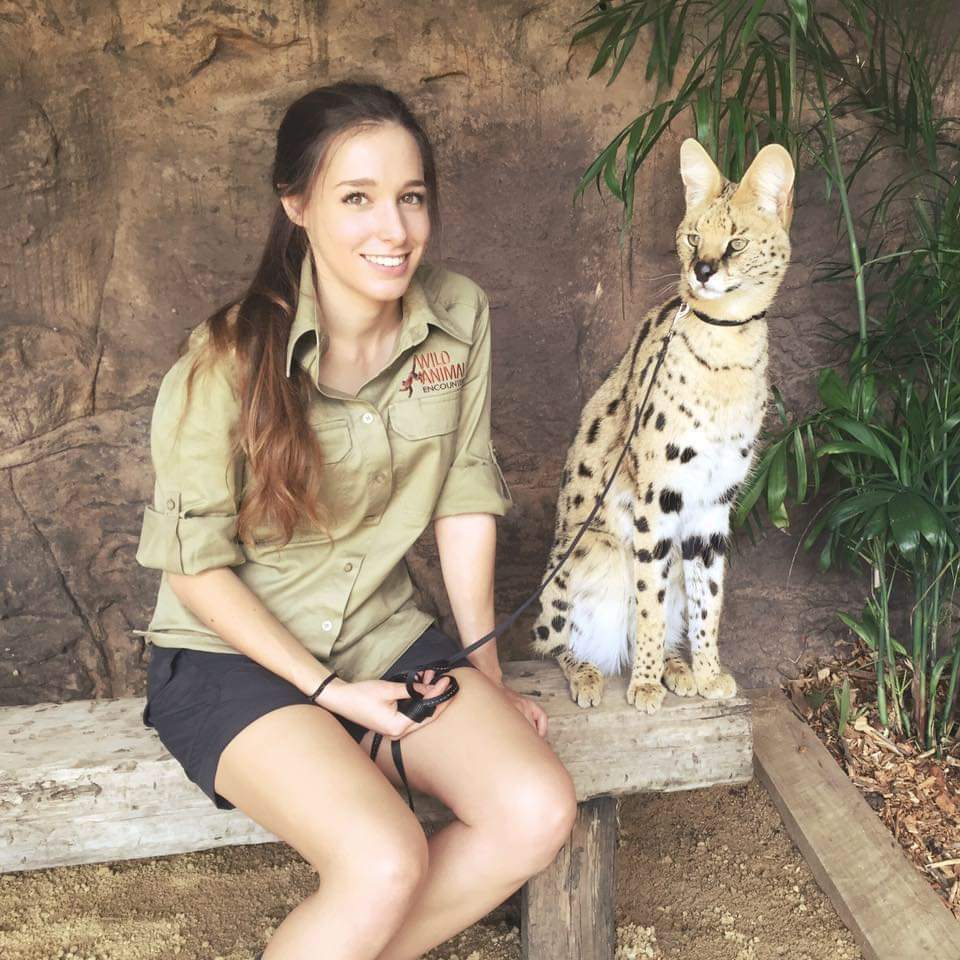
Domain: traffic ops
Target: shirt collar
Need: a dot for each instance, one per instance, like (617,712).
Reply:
(420,309)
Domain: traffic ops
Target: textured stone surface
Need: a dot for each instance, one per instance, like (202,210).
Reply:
(137,143)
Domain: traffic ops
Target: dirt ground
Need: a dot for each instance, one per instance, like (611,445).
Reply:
(708,874)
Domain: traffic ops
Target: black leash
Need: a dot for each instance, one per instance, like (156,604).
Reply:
(416,706)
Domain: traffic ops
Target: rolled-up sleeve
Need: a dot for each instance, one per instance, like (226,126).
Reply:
(192,524)
(475,483)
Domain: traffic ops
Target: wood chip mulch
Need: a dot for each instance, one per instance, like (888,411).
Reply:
(916,794)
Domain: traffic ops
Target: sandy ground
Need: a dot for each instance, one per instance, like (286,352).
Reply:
(709,874)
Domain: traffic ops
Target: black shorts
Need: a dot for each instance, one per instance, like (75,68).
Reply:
(198,701)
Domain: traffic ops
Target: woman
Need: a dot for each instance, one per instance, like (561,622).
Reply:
(308,436)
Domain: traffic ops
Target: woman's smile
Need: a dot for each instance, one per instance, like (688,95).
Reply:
(395,265)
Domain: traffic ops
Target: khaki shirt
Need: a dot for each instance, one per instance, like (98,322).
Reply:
(411,446)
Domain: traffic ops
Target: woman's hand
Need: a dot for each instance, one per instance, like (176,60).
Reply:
(534,713)
(373,703)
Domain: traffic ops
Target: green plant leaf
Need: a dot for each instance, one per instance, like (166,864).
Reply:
(777,488)
(750,493)
(736,138)
(703,118)
(868,437)
(832,390)
(864,631)
(800,465)
(843,705)
(779,404)
(676,43)
(846,446)
(908,517)
(610,176)
(627,42)
(815,698)
(595,170)
(875,523)
(801,11)
(750,23)
(827,553)
(617,21)
(815,463)
(858,505)
(815,530)
(867,391)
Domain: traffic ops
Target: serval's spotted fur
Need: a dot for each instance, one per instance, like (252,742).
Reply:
(648,574)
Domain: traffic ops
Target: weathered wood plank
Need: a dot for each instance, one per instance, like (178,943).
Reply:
(567,910)
(888,907)
(84,781)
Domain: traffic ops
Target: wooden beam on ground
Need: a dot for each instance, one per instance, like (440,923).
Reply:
(86,782)
(889,908)
(568,909)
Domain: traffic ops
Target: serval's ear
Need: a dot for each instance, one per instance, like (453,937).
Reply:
(768,183)
(701,178)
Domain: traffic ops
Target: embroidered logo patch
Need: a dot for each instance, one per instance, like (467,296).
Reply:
(434,371)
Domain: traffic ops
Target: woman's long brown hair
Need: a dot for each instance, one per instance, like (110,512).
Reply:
(282,453)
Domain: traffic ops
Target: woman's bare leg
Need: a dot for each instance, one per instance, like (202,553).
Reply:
(296,772)
(515,806)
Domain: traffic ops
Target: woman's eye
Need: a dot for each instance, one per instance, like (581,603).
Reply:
(414,199)
(355,199)
(737,244)
(693,239)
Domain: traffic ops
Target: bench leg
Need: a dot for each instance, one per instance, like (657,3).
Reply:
(567,911)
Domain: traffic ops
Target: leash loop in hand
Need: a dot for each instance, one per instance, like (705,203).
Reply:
(417,707)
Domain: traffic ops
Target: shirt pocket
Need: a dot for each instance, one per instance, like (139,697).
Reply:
(342,466)
(425,417)
(423,435)
(333,436)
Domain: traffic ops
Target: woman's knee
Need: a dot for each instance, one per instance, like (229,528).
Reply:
(378,885)
(385,867)
(541,814)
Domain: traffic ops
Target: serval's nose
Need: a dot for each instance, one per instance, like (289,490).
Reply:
(704,270)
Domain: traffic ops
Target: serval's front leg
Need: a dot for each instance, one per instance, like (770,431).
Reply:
(703,572)
(677,675)
(645,690)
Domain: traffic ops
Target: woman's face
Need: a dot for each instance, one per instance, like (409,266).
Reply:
(367,218)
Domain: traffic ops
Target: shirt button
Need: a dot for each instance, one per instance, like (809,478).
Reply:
(348,567)
(326,625)
(171,504)
(367,418)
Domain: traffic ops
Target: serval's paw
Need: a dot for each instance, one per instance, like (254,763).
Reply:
(678,678)
(720,686)
(586,685)
(646,697)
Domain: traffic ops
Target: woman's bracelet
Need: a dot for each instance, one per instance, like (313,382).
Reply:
(316,693)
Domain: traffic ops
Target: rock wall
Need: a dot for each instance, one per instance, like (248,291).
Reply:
(137,139)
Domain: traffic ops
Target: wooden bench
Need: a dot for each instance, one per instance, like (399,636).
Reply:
(86,782)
